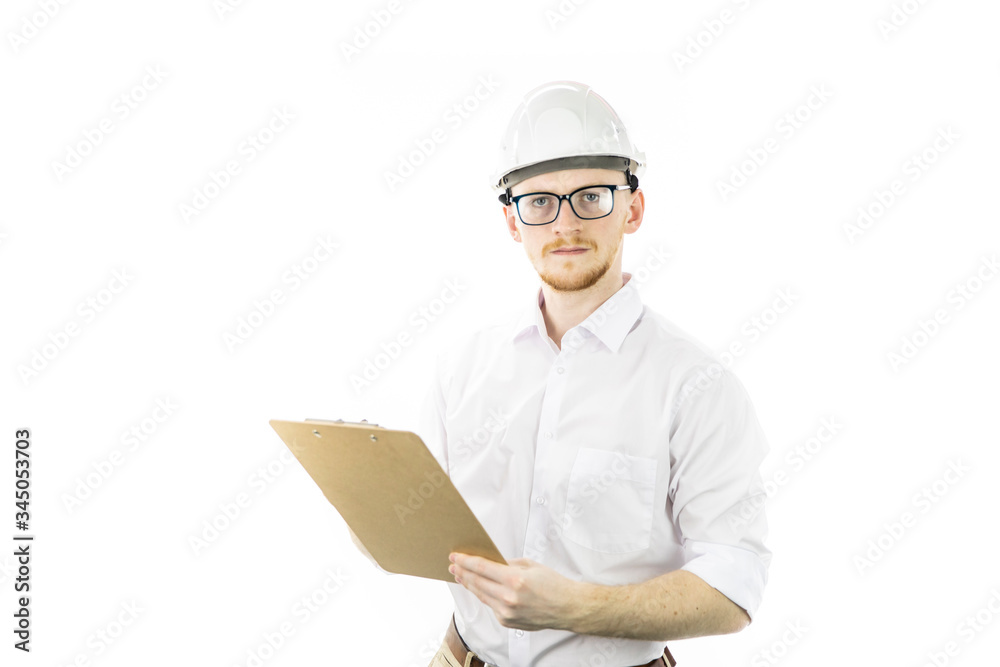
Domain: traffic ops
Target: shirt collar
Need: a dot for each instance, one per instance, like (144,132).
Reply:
(610,323)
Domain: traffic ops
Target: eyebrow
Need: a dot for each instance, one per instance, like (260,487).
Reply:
(517,194)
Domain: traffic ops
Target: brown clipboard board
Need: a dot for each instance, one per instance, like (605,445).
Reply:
(392,493)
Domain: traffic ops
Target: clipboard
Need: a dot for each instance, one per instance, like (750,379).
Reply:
(392,493)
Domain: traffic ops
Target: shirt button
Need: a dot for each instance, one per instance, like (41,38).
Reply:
(548,434)
(560,370)
(540,500)
(519,633)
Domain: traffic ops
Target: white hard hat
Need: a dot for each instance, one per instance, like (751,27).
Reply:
(564,125)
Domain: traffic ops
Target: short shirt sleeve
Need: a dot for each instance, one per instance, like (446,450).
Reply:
(716,450)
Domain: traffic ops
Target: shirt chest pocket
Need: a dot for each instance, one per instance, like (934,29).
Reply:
(609,500)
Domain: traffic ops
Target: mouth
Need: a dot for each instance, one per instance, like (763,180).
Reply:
(573,250)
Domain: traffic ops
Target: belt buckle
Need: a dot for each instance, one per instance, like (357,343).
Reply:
(480,659)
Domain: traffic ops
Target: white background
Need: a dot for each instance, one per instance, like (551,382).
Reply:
(190,282)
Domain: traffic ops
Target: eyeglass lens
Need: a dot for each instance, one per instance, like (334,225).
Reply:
(543,207)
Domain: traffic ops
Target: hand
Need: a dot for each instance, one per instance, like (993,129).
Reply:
(524,594)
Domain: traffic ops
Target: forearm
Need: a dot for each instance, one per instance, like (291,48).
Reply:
(675,605)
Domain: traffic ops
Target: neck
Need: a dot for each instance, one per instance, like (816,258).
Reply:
(564,310)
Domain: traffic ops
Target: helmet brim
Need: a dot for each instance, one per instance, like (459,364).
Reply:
(614,162)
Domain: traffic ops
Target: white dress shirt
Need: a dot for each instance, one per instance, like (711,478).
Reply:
(628,453)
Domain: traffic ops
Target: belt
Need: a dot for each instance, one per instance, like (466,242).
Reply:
(466,656)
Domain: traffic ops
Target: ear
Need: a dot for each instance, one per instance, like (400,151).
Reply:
(635,212)
(510,215)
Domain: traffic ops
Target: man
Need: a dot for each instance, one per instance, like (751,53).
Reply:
(613,461)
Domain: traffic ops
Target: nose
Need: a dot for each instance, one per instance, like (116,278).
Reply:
(566,221)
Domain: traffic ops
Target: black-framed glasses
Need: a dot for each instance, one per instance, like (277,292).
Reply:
(588,203)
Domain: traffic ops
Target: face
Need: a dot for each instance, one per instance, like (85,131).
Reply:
(572,254)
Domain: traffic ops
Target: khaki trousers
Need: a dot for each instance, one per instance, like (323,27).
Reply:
(445,658)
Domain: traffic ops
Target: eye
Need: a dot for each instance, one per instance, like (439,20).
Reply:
(539,201)
(595,196)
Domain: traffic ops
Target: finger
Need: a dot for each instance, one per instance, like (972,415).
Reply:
(482,567)
(488,591)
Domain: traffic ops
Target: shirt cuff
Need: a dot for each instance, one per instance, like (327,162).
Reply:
(737,573)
